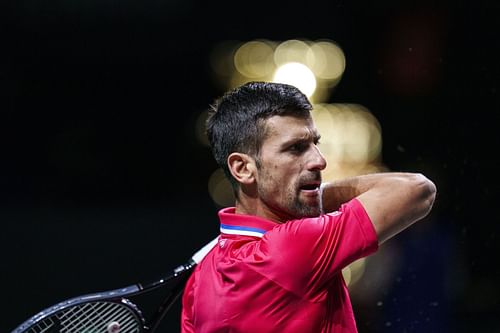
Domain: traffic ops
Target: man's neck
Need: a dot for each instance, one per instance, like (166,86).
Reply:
(257,208)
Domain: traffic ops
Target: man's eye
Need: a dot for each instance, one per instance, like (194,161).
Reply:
(298,147)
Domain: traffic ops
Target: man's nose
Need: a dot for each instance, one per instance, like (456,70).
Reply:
(317,161)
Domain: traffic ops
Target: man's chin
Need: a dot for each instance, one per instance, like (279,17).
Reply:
(311,203)
(308,210)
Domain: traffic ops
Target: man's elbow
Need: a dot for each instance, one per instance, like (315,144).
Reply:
(427,193)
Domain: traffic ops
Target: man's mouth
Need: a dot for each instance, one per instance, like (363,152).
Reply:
(310,188)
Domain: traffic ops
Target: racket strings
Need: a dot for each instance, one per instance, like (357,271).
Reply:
(94,317)
(42,327)
(97,316)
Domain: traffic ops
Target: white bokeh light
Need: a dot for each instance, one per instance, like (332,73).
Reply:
(298,75)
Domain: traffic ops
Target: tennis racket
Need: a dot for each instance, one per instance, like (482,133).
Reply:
(111,311)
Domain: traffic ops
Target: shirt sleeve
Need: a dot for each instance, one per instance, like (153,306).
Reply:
(304,255)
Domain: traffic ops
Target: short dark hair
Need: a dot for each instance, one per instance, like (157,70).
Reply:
(236,121)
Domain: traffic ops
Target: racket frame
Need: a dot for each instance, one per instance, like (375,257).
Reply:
(181,273)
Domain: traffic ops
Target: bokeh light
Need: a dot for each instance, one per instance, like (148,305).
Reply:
(351,139)
(298,75)
(254,59)
(291,51)
(329,60)
(220,189)
(235,63)
(354,271)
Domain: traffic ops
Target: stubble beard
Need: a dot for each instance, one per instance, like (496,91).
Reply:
(293,207)
(301,209)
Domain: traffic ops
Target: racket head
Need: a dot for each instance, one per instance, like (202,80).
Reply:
(97,316)
(111,311)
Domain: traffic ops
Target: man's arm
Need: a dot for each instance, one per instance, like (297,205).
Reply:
(393,200)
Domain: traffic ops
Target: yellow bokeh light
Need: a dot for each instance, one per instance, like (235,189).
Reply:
(329,60)
(298,75)
(346,274)
(220,189)
(352,131)
(292,50)
(362,137)
(235,63)
(351,139)
(354,271)
(324,120)
(254,59)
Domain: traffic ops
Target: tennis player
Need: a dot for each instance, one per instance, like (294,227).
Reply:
(277,265)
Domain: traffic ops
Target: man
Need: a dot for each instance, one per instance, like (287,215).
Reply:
(277,265)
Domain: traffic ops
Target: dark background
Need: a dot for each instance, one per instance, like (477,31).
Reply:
(103,182)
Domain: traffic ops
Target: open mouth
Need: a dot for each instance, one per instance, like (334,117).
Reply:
(310,187)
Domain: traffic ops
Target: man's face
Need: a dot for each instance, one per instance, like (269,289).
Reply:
(289,174)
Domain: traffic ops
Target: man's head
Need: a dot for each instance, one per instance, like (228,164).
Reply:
(269,126)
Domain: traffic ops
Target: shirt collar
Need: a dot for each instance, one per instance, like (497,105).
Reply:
(240,224)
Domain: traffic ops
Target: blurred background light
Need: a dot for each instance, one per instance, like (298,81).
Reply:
(298,75)
(317,67)
(291,51)
(220,189)
(254,59)
(354,271)
(351,139)
(329,60)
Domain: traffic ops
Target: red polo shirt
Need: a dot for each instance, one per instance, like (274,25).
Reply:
(269,277)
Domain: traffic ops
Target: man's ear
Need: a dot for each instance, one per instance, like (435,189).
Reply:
(242,167)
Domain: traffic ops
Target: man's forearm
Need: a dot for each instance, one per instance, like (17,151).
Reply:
(340,191)
(393,201)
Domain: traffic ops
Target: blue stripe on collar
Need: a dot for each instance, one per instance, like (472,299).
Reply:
(240,230)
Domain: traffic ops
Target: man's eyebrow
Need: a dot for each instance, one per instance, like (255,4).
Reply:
(314,136)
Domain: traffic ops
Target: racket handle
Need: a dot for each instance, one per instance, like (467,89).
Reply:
(181,270)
